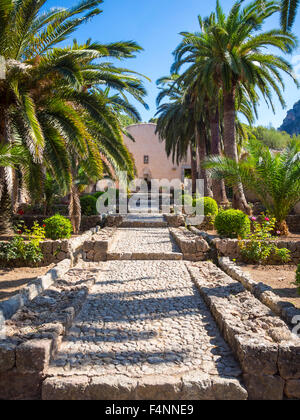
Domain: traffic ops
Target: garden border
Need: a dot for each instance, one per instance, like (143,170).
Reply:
(37,286)
(10,306)
(261,291)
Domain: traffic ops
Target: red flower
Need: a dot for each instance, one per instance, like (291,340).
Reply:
(19,232)
(44,225)
(21,212)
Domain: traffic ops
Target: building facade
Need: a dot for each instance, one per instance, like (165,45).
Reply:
(150,157)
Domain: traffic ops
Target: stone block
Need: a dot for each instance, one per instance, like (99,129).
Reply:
(292,389)
(20,386)
(256,358)
(289,361)
(112,388)
(69,388)
(7,356)
(264,387)
(33,356)
(159,388)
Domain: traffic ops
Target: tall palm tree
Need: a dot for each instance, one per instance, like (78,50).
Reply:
(273,177)
(231,53)
(52,98)
(176,123)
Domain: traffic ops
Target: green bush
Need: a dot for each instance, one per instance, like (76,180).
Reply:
(88,205)
(58,227)
(98,194)
(260,247)
(210,205)
(232,223)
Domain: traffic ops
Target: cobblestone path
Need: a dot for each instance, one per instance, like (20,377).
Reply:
(144,333)
(144,240)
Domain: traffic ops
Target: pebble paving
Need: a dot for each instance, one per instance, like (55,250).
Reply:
(144,318)
(143,240)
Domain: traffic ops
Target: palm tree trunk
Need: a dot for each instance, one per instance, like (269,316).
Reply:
(5,197)
(218,186)
(193,167)
(75,209)
(202,152)
(239,200)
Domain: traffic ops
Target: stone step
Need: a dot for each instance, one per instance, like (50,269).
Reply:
(144,256)
(143,224)
(191,386)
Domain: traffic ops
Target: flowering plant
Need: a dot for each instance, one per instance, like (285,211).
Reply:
(259,245)
(25,245)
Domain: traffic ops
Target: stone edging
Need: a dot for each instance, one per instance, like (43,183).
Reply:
(10,306)
(261,291)
(26,352)
(193,247)
(269,354)
(189,386)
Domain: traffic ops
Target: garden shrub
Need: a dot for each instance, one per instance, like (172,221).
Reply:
(259,246)
(232,223)
(88,205)
(25,246)
(210,205)
(98,194)
(58,227)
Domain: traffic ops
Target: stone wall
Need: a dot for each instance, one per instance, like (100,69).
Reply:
(96,249)
(193,247)
(293,222)
(175,220)
(230,248)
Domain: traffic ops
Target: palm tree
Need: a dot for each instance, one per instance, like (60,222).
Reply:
(10,157)
(288,13)
(52,98)
(176,123)
(273,177)
(230,52)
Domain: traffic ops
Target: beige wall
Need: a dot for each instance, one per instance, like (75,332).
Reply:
(147,144)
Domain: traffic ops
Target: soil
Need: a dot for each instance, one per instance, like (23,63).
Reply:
(279,277)
(12,280)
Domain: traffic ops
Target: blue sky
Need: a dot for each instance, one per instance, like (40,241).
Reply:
(155,25)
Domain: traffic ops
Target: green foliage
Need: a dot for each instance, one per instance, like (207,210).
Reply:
(88,205)
(297,283)
(258,246)
(270,137)
(58,227)
(25,246)
(288,13)
(126,120)
(232,223)
(210,205)
(98,194)
(273,177)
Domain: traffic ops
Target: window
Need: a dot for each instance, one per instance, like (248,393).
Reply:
(146,159)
